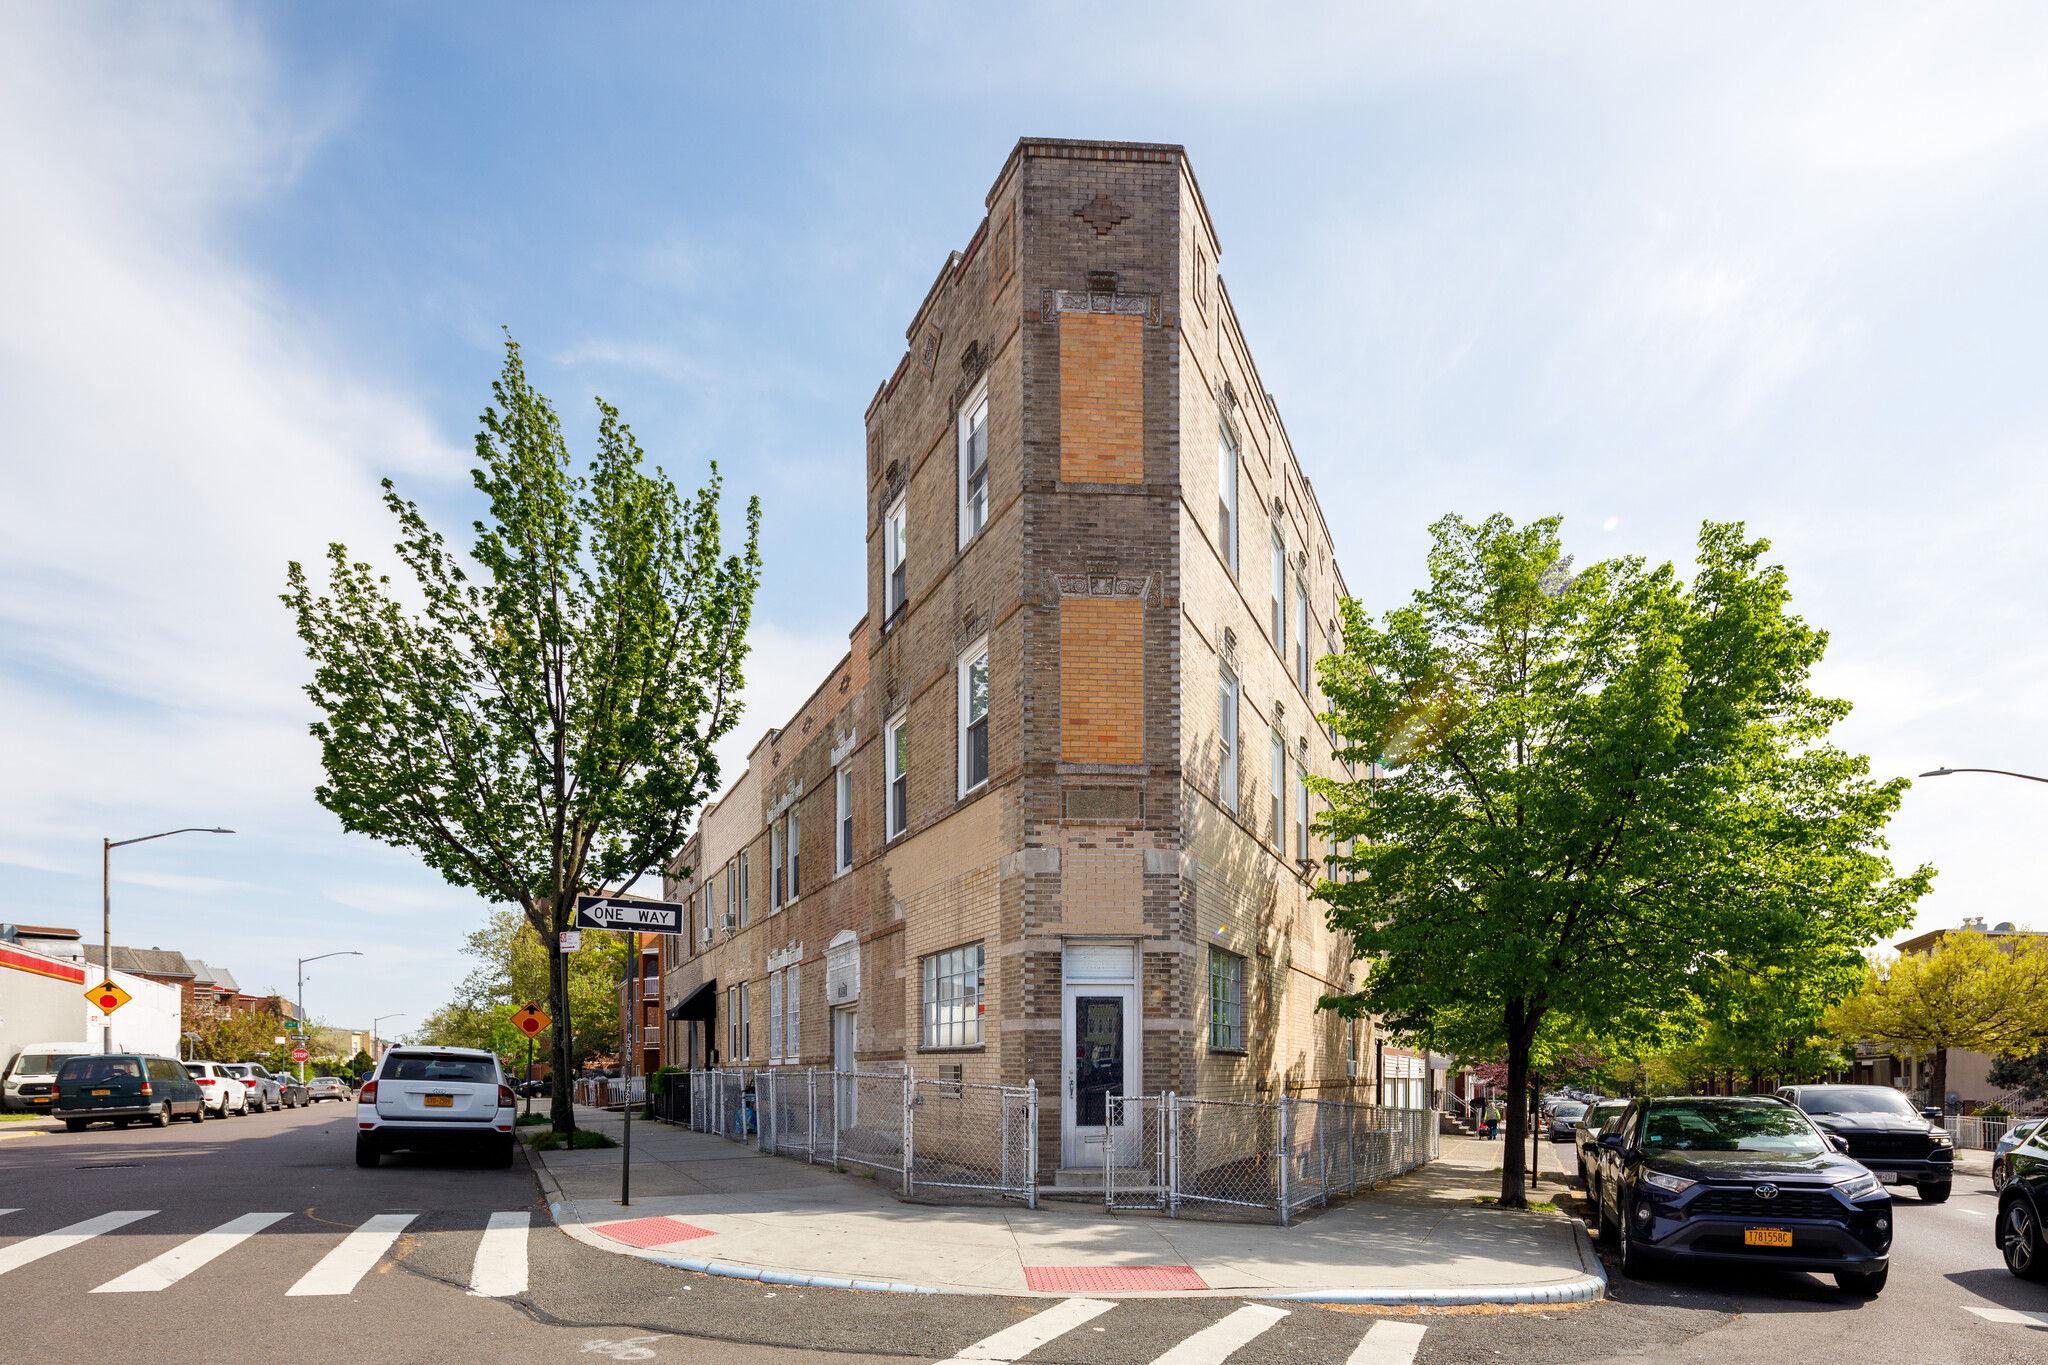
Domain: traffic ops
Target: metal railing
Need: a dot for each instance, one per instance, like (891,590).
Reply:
(923,1134)
(1975,1134)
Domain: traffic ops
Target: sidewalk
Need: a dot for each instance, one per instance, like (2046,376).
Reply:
(703,1203)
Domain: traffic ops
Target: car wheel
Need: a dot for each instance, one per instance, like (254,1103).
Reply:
(199,1112)
(1935,1194)
(1869,1284)
(366,1155)
(1998,1177)
(74,1125)
(1604,1229)
(162,1118)
(2025,1256)
(1635,1261)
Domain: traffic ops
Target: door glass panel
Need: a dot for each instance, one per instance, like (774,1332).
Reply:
(1098,1056)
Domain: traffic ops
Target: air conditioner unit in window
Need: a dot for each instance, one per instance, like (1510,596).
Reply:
(729,921)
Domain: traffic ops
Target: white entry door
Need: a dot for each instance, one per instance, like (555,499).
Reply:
(848,1099)
(1101,1037)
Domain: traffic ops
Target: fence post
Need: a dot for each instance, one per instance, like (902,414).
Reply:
(1322,1154)
(839,1088)
(907,1147)
(1351,1145)
(1031,1143)
(1280,1127)
(811,1116)
(1170,1120)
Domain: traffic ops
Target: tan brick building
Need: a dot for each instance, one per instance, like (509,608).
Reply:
(1048,816)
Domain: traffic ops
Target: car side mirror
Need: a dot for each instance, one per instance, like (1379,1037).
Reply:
(1611,1141)
(1931,1115)
(1838,1142)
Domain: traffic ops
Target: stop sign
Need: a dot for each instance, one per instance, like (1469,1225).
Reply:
(300,1054)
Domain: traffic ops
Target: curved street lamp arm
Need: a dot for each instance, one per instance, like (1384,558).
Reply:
(190,829)
(2002,772)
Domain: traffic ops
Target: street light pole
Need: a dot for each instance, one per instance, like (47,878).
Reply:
(373,1031)
(107,847)
(2002,772)
(339,952)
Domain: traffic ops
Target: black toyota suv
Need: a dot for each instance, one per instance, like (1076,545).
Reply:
(1742,1179)
(1900,1144)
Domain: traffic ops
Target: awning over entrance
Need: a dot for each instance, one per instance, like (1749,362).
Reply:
(701,1003)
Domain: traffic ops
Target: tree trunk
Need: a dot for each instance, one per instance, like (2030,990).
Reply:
(562,1110)
(1513,1182)
(1937,1080)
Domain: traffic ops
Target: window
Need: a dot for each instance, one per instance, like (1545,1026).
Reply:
(746,901)
(776,863)
(1300,812)
(973,721)
(775,1016)
(1226,727)
(953,998)
(1279,790)
(791,841)
(1279,593)
(702,914)
(974,466)
(1301,635)
(1226,1001)
(746,1024)
(895,558)
(732,894)
(1226,484)
(792,1034)
(898,754)
(732,1023)
(845,840)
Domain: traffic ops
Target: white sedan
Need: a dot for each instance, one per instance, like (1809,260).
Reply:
(221,1091)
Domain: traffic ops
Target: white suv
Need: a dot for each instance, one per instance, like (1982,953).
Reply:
(221,1091)
(432,1099)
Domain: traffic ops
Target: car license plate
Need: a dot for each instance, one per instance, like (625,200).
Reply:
(1887,1177)
(440,1101)
(102,1092)
(1767,1237)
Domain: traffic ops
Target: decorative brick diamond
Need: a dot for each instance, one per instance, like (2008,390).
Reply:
(1084,1278)
(651,1232)
(1101,213)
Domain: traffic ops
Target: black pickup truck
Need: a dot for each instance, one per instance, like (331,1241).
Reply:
(1897,1143)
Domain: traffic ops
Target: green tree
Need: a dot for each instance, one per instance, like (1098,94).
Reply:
(545,727)
(1966,992)
(511,969)
(1600,789)
(242,1037)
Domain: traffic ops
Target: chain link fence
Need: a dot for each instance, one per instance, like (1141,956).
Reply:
(1224,1158)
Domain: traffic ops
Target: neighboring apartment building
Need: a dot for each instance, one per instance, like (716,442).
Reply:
(1049,817)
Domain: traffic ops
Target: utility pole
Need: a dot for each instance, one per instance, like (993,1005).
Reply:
(107,847)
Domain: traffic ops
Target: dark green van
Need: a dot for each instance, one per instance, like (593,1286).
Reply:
(123,1087)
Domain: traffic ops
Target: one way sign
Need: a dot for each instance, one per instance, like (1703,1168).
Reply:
(617,912)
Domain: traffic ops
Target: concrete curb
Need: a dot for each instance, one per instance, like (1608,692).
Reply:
(1586,1289)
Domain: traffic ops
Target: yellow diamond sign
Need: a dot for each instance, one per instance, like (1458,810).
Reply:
(107,997)
(530,1019)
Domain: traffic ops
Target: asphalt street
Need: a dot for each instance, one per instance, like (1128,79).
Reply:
(259,1236)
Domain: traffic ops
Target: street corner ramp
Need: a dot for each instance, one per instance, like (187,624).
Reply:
(1083,1279)
(651,1232)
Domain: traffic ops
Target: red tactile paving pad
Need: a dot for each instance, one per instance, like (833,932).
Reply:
(1083,1278)
(650,1232)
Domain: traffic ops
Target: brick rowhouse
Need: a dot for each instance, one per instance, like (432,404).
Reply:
(1013,833)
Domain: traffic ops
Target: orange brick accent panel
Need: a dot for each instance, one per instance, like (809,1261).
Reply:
(1083,1279)
(1102,398)
(1102,680)
(651,1232)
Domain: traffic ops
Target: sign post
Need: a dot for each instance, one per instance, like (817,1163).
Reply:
(634,918)
(530,1019)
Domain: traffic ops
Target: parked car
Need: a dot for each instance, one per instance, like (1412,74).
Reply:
(293,1088)
(2021,1130)
(1586,1138)
(265,1093)
(326,1088)
(429,1098)
(224,1092)
(2020,1233)
(1900,1144)
(1564,1119)
(123,1087)
(30,1085)
(1743,1179)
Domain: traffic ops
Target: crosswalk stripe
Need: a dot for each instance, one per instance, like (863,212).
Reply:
(186,1257)
(1389,1343)
(2012,1317)
(340,1268)
(35,1248)
(4,1212)
(1214,1343)
(1021,1339)
(500,1265)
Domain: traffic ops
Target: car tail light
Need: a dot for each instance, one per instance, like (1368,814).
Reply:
(146,1090)
(368,1094)
(505,1099)
(208,1080)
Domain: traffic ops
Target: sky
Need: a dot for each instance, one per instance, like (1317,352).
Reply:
(1636,266)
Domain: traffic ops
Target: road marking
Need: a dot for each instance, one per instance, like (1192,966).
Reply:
(340,1268)
(186,1257)
(1389,1343)
(625,1348)
(35,1248)
(1216,1341)
(4,1212)
(500,1266)
(1021,1339)
(2011,1316)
